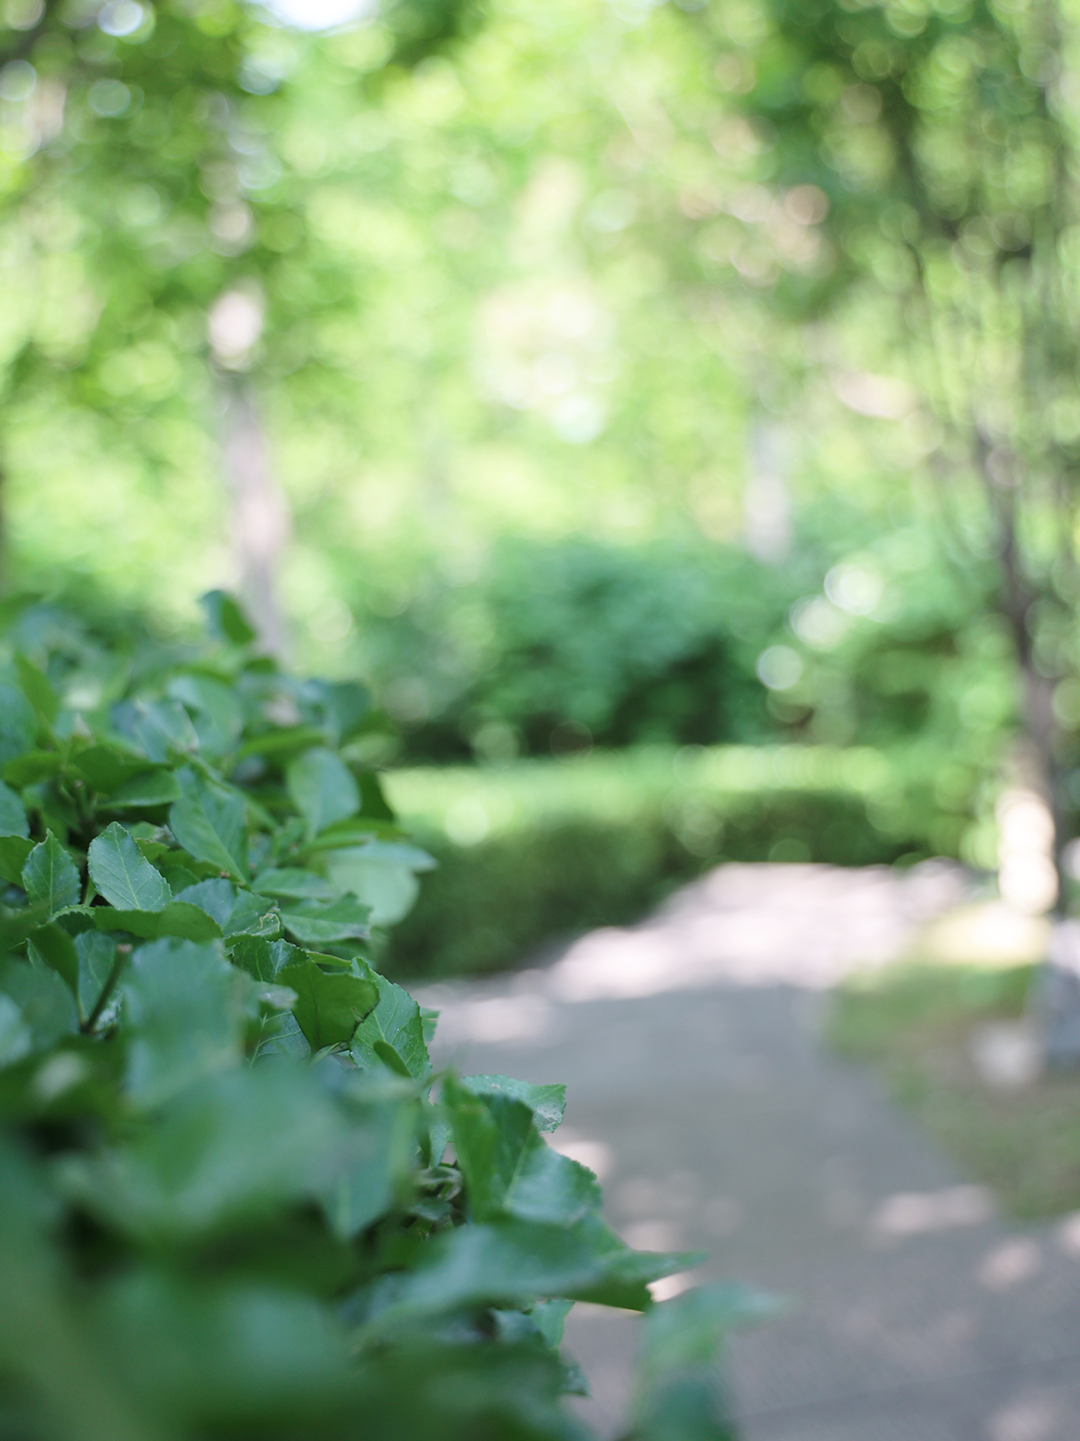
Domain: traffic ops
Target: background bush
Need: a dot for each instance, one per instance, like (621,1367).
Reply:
(543,850)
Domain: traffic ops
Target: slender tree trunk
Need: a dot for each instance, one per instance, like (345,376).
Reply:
(260,517)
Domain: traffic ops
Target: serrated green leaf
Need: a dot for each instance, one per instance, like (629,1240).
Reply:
(329,1007)
(211,826)
(176,918)
(49,876)
(322,788)
(123,875)
(395,1020)
(312,924)
(547,1103)
(13,820)
(509,1168)
(253,915)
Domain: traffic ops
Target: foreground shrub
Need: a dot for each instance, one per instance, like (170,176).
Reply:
(230,1204)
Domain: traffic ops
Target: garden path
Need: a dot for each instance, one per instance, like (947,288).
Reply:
(699,1092)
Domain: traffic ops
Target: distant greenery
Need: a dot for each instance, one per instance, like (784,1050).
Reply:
(232,1204)
(915,1021)
(535,853)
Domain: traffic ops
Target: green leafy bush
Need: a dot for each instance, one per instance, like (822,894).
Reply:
(231,1205)
(535,853)
(632,644)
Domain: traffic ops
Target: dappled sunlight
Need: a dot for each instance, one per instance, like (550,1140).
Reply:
(919,1213)
(753,925)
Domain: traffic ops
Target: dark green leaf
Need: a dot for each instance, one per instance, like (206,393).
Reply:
(176,918)
(108,767)
(49,876)
(263,959)
(55,948)
(30,767)
(509,1261)
(123,875)
(13,820)
(14,853)
(329,1007)
(152,788)
(322,788)
(226,617)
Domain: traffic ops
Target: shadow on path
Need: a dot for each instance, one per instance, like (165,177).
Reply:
(698,1092)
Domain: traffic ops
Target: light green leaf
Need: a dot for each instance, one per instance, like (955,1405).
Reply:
(37,690)
(295,884)
(396,1020)
(547,1103)
(377,1161)
(49,876)
(509,1168)
(312,924)
(184,1005)
(322,788)
(97,956)
(46,1003)
(13,820)
(123,875)
(211,826)
(329,1007)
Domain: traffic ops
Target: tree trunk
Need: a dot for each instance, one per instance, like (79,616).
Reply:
(260,518)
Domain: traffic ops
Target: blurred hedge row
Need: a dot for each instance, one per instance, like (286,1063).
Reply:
(535,853)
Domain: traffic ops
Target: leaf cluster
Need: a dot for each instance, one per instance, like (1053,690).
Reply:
(232,1204)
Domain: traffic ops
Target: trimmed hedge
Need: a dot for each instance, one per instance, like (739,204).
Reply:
(531,855)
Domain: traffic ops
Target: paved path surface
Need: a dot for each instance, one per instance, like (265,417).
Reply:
(699,1093)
